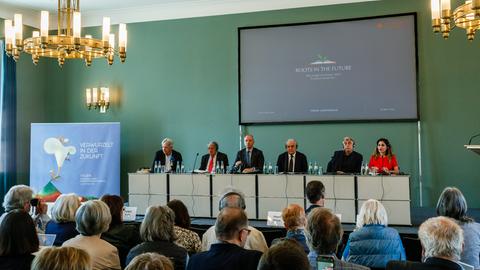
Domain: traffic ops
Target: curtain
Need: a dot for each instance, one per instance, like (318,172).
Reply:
(8,122)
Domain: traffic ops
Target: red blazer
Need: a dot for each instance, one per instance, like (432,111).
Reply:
(381,162)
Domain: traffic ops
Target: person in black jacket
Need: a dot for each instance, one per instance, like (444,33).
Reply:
(346,160)
(442,245)
(231,230)
(249,159)
(292,161)
(213,159)
(167,157)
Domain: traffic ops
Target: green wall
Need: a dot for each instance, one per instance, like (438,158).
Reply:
(180,81)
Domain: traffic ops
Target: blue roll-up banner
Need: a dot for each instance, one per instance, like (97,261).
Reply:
(81,158)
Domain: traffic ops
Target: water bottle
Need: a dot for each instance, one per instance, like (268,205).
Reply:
(362,170)
(217,167)
(222,167)
(315,168)
(320,170)
(275,170)
(155,168)
(366,171)
(270,168)
(265,168)
(177,168)
(182,168)
(310,168)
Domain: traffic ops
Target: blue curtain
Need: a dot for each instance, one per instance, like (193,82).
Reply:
(8,122)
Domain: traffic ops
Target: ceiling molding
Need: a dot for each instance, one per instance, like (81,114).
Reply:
(168,10)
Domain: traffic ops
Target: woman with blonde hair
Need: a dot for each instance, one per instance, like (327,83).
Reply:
(294,220)
(373,244)
(62,223)
(150,261)
(62,258)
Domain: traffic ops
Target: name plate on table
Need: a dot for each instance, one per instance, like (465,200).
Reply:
(129,213)
(274,219)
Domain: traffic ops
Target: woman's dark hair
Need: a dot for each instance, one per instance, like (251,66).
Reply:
(17,234)
(182,218)
(115,203)
(389,152)
(452,203)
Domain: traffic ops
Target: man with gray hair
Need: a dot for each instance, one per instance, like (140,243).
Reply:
(18,197)
(167,157)
(214,159)
(292,161)
(442,244)
(346,160)
(234,198)
(231,230)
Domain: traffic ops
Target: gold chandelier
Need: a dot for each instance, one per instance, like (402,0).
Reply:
(466,16)
(67,43)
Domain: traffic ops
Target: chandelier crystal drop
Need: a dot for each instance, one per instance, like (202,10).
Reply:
(67,43)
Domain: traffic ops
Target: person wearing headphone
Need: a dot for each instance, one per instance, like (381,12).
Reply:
(213,159)
(383,160)
(234,198)
(292,161)
(346,160)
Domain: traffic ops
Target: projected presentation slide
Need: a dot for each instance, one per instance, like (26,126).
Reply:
(334,71)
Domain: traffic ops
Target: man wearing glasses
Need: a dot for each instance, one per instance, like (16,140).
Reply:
(231,230)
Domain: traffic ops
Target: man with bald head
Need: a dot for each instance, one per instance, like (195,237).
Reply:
(249,159)
(292,161)
(231,230)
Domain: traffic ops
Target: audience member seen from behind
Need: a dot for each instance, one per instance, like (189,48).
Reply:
(294,221)
(324,234)
(123,236)
(62,258)
(442,241)
(18,240)
(346,160)
(383,160)
(185,237)
(232,197)
(93,219)
(159,236)
(285,255)
(452,204)
(315,192)
(150,261)
(373,244)
(231,229)
(62,223)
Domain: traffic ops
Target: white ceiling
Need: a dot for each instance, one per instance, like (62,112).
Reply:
(129,11)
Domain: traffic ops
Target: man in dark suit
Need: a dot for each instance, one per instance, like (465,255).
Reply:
(213,159)
(292,161)
(346,160)
(231,230)
(442,246)
(249,159)
(167,157)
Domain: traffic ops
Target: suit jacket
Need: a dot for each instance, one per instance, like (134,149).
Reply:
(429,264)
(225,256)
(160,156)
(220,157)
(257,160)
(301,164)
(344,163)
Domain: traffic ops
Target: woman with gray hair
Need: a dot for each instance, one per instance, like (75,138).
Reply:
(452,204)
(18,197)
(373,244)
(62,223)
(92,219)
(158,235)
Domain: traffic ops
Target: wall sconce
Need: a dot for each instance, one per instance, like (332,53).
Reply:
(93,100)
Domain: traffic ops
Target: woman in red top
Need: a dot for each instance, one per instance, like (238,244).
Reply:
(382,159)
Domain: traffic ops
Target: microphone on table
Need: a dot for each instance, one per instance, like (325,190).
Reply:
(194,163)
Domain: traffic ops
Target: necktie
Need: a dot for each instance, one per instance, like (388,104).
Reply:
(210,165)
(290,164)
(249,158)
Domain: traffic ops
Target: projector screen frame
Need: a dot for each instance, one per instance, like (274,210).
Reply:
(415,30)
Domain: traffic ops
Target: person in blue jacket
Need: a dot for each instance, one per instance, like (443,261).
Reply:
(373,244)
